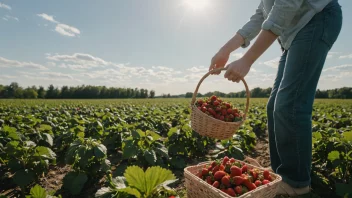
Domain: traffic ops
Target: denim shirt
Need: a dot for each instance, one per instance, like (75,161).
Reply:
(284,18)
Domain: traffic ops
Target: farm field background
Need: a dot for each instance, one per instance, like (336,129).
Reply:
(77,148)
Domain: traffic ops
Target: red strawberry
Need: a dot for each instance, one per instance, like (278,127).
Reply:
(224,190)
(232,160)
(215,169)
(226,181)
(205,171)
(231,192)
(211,111)
(213,98)
(217,116)
(238,190)
(213,164)
(269,178)
(265,182)
(216,184)
(225,160)
(209,180)
(228,105)
(235,171)
(237,180)
(204,104)
(229,111)
(236,115)
(258,183)
(266,174)
(222,117)
(219,175)
(216,103)
(204,109)
(218,109)
(231,117)
(244,168)
(235,110)
(249,184)
(254,174)
(224,112)
(221,167)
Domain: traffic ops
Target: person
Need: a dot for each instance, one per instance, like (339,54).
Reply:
(307,30)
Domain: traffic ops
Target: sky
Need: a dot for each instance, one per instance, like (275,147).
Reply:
(164,45)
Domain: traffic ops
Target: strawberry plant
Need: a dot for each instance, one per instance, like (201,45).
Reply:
(137,183)
(145,149)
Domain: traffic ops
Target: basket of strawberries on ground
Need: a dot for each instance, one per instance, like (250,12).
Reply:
(214,117)
(226,178)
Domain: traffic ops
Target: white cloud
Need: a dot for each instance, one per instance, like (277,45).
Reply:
(274,63)
(7,76)
(8,17)
(56,75)
(332,54)
(237,55)
(14,63)
(67,30)
(5,6)
(79,59)
(198,69)
(349,56)
(339,68)
(47,17)
(61,28)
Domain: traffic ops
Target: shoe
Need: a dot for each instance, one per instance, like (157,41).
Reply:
(285,189)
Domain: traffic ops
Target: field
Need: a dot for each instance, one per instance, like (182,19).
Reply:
(81,148)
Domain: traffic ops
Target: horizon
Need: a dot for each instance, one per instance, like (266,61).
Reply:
(155,45)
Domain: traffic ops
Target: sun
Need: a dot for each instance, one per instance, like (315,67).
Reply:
(196,5)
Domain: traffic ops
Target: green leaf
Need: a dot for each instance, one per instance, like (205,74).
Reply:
(119,182)
(104,192)
(178,163)
(135,134)
(38,192)
(74,182)
(48,138)
(334,155)
(45,152)
(172,131)
(347,136)
(105,166)
(129,150)
(100,151)
(150,156)
(45,127)
(154,135)
(343,189)
(23,177)
(131,191)
(135,177)
(162,152)
(156,176)
(14,165)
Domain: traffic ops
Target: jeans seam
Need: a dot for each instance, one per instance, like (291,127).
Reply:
(296,97)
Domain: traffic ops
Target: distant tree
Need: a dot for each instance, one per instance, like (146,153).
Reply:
(152,94)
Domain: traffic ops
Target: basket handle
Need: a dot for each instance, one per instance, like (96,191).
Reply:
(213,71)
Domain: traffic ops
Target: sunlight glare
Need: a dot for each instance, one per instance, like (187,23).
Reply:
(196,5)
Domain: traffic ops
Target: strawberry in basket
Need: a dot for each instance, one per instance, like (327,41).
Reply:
(219,109)
(233,177)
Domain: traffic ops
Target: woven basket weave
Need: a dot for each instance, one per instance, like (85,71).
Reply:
(208,126)
(196,187)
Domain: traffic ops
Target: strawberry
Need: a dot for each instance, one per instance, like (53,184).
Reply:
(209,180)
(205,171)
(204,109)
(204,104)
(216,184)
(236,115)
(265,182)
(222,117)
(235,171)
(238,190)
(219,175)
(231,192)
(237,180)
(244,168)
(228,105)
(226,181)
(216,103)
(222,167)
(213,98)
(249,184)
(231,117)
(217,109)
(224,112)
(215,169)
(213,164)
(269,178)
(266,174)
(232,160)
(211,111)
(258,183)
(254,174)
(225,160)
(224,190)
(229,111)
(235,110)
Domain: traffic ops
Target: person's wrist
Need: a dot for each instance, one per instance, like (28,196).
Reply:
(247,60)
(225,51)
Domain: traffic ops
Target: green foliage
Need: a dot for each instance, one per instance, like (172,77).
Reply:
(137,183)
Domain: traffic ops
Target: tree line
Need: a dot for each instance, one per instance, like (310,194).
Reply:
(14,90)
(338,93)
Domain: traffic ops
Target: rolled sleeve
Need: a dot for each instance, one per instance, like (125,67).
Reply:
(281,15)
(252,28)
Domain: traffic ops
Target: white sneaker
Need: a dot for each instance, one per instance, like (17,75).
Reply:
(285,189)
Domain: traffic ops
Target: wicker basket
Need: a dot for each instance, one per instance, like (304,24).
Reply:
(196,187)
(208,126)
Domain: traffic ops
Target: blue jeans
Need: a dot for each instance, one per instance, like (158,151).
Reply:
(290,104)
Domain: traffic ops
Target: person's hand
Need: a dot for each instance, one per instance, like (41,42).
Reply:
(219,61)
(237,70)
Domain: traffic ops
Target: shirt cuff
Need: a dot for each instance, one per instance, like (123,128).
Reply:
(271,26)
(245,37)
